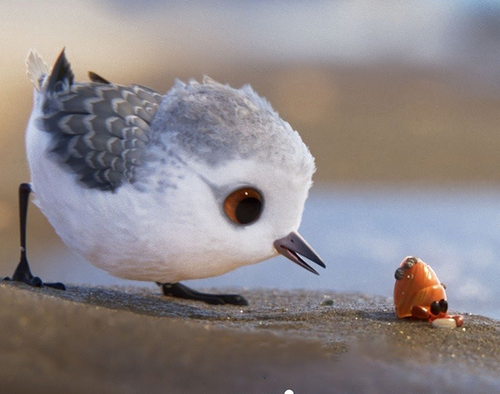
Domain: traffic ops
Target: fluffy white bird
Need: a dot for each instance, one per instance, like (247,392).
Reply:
(189,185)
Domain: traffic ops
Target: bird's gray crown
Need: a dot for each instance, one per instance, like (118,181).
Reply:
(214,122)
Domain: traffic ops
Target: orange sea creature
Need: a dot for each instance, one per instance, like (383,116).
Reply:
(419,294)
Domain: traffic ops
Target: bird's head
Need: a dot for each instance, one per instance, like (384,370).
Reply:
(244,175)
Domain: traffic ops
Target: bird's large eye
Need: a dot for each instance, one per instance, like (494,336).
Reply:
(243,206)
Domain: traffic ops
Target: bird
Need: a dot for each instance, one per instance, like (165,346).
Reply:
(163,188)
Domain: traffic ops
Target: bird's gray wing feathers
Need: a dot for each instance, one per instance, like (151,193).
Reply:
(99,129)
(97,78)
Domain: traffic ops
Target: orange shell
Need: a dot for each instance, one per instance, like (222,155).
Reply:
(418,286)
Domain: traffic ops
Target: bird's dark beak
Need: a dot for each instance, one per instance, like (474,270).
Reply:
(292,245)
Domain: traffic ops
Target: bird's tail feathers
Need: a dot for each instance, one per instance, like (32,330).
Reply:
(36,69)
(59,78)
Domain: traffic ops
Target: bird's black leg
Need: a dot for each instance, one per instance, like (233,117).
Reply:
(180,291)
(23,272)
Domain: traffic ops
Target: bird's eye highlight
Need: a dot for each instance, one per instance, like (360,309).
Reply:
(243,206)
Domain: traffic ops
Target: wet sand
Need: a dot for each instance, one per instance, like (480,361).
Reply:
(128,340)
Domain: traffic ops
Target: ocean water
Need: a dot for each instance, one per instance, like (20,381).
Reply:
(362,234)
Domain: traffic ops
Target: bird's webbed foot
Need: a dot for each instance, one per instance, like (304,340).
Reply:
(23,274)
(180,291)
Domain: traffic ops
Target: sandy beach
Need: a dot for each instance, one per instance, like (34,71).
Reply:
(128,340)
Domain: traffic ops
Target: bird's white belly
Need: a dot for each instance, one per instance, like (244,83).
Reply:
(117,231)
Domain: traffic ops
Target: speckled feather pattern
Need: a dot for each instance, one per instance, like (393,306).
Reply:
(99,130)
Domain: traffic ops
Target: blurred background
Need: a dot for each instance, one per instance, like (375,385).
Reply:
(398,101)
